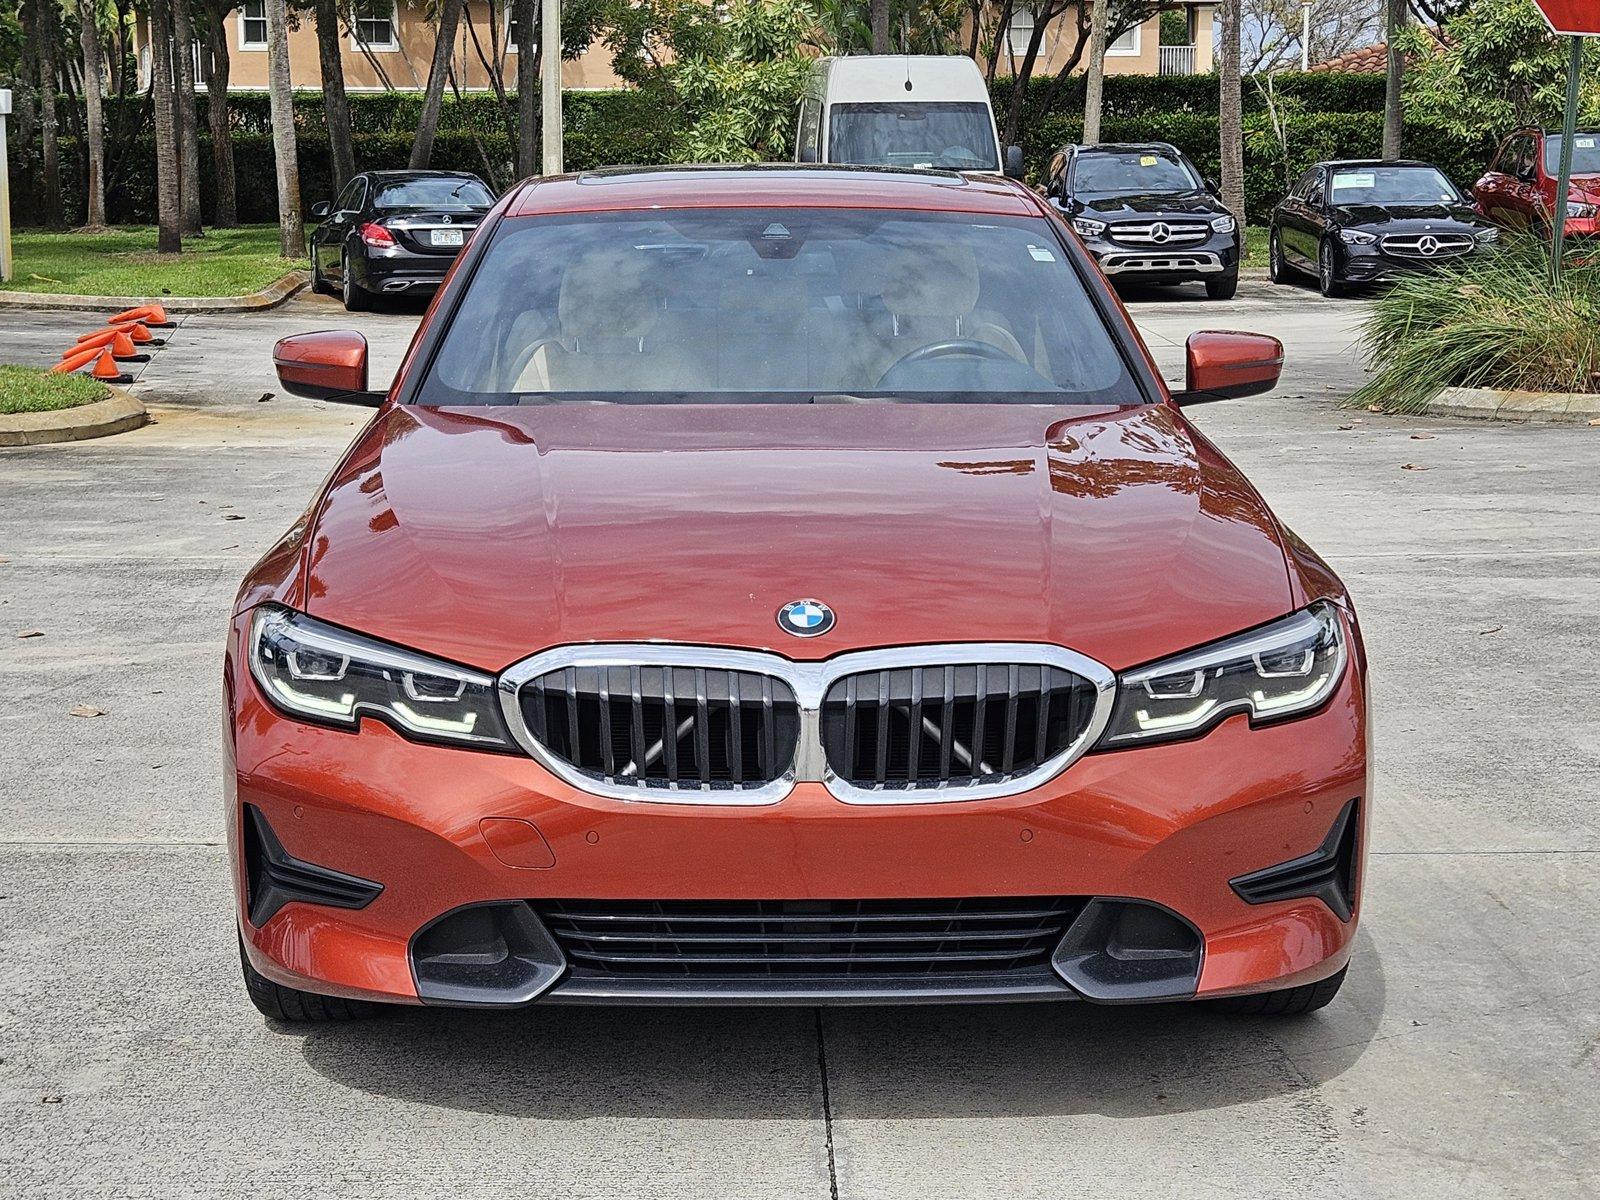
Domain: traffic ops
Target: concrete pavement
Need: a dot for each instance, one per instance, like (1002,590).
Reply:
(1460,1061)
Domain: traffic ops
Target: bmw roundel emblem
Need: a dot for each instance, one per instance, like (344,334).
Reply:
(805,618)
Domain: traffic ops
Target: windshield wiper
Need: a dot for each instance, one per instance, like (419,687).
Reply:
(847,398)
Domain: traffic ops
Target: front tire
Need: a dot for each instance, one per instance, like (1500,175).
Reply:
(1289,1002)
(1277,269)
(319,285)
(291,1005)
(356,297)
(1224,287)
(1328,281)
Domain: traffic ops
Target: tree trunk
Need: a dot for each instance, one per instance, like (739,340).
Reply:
(169,205)
(879,10)
(526,15)
(1395,20)
(438,74)
(1231,105)
(1095,82)
(188,117)
(225,214)
(1046,14)
(335,105)
(89,40)
(291,227)
(49,145)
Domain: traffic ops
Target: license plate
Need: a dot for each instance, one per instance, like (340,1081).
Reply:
(448,237)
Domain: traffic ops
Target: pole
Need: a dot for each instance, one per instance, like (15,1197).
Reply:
(550,125)
(1569,131)
(1305,35)
(5,190)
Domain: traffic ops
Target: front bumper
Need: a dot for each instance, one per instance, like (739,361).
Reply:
(1166,826)
(1368,264)
(1216,256)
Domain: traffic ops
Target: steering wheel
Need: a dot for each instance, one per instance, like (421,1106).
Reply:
(950,348)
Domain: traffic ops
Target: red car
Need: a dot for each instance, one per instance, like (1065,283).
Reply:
(1519,189)
(789,585)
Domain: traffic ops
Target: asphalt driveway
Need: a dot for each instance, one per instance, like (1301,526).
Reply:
(1460,1061)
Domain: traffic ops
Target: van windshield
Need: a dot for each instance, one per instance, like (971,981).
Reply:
(777,306)
(913,135)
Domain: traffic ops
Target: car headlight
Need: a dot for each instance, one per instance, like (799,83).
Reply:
(1223,224)
(1355,237)
(335,677)
(1088,226)
(1279,670)
(1486,236)
(1577,210)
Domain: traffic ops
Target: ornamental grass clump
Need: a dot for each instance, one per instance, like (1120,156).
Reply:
(1493,321)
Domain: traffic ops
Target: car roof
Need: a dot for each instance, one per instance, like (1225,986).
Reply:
(1375,162)
(772,185)
(406,176)
(1125,147)
(902,77)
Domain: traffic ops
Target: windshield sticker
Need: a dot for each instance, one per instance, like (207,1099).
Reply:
(1148,160)
(1355,179)
(1584,143)
(1040,254)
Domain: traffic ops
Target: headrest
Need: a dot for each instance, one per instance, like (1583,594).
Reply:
(929,279)
(609,293)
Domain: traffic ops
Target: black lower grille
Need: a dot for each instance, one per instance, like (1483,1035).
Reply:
(967,724)
(1328,872)
(786,939)
(666,727)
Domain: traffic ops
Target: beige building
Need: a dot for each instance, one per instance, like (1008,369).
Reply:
(390,44)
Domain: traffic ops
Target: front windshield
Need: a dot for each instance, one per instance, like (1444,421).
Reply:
(1392,185)
(784,305)
(1585,154)
(434,193)
(1131,172)
(913,135)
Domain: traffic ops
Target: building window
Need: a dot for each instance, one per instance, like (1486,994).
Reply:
(1021,31)
(373,22)
(253,25)
(1126,46)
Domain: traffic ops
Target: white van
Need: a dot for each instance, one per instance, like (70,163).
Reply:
(902,110)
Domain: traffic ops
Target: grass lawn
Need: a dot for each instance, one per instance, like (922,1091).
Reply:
(124,262)
(1255,245)
(23,389)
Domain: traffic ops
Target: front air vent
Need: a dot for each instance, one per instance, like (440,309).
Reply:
(953,725)
(274,877)
(665,728)
(1327,873)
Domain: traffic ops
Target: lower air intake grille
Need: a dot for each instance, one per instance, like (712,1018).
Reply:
(1328,872)
(274,877)
(663,727)
(777,939)
(922,727)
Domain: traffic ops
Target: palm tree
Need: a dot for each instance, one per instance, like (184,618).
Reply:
(95,133)
(188,118)
(1094,84)
(291,227)
(335,105)
(169,206)
(1396,16)
(49,80)
(1231,108)
(526,14)
(879,13)
(443,46)
(225,212)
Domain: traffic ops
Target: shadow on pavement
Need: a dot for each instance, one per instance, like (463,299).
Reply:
(558,1063)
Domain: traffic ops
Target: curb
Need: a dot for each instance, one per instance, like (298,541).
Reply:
(117,413)
(270,296)
(1493,404)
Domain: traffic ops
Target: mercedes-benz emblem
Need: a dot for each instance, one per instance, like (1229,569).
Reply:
(445,218)
(1159,232)
(1428,244)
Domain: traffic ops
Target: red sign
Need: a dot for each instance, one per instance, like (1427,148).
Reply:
(1576,18)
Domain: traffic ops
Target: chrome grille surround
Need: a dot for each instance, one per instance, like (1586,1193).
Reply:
(1415,245)
(1159,234)
(809,683)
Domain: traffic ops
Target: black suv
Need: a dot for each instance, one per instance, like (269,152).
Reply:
(1145,212)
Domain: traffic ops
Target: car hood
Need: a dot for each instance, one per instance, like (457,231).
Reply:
(484,535)
(1154,204)
(1396,217)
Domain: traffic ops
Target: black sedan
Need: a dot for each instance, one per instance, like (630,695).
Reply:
(394,233)
(1362,221)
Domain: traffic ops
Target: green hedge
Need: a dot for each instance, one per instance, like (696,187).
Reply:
(1324,116)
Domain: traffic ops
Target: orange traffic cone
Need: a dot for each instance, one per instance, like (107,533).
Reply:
(100,337)
(150,314)
(107,371)
(140,333)
(123,349)
(75,359)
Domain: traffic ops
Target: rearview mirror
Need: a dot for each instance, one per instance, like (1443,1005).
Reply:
(330,365)
(1223,365)
(1014,162)
(320,210)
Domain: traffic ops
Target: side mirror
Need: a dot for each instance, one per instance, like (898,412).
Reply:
(1013,162)
(330,365)
(806,154)
(320,210)
(1222,365)
(1212,186)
